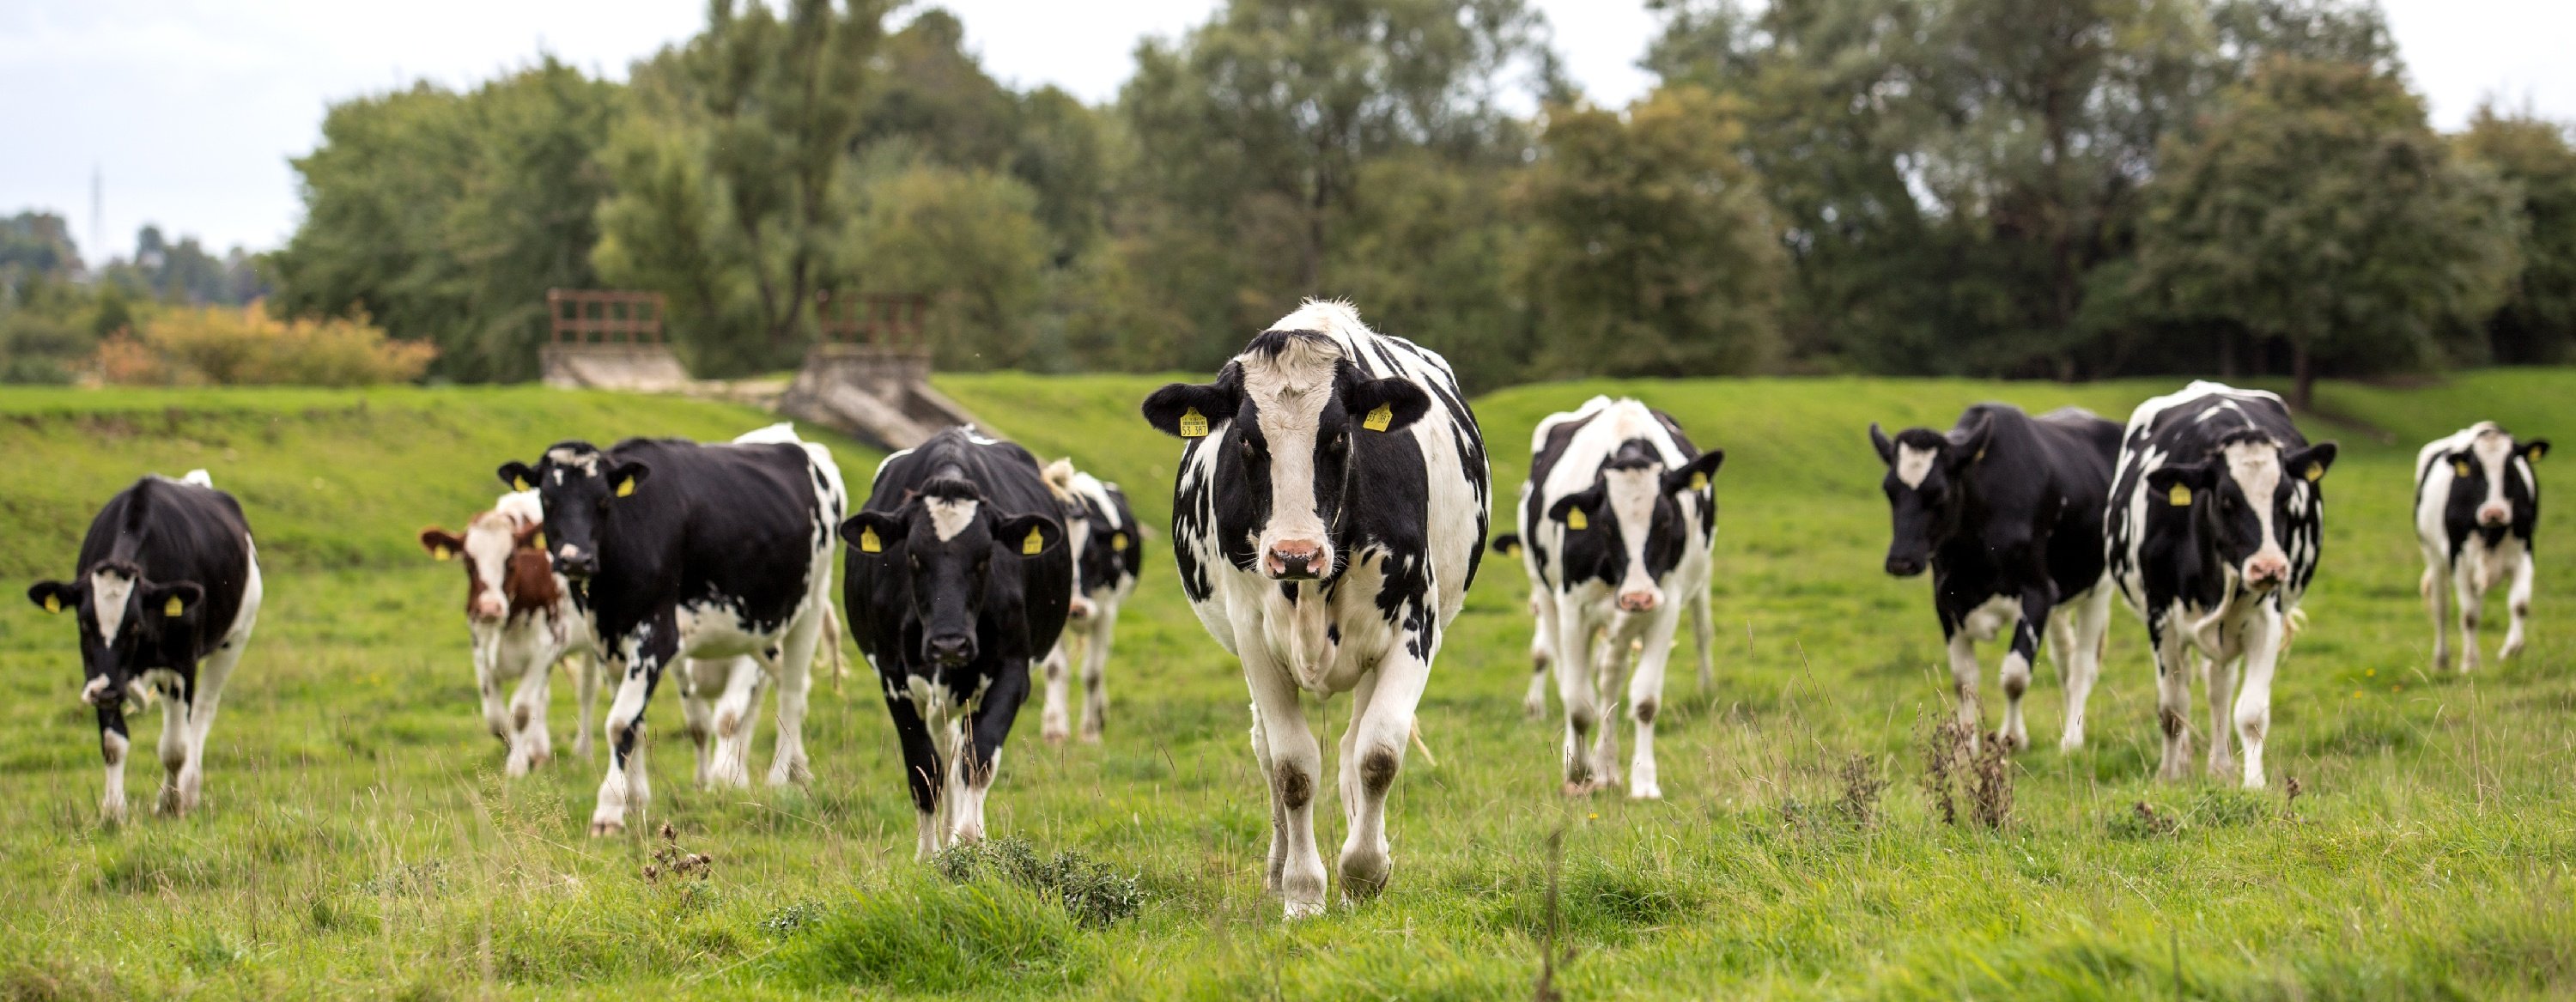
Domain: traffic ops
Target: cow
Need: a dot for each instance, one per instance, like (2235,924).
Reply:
(2006,510)
(1108,552)
(1616,522)
(164,597)
(2217,513)
(1328,516)
(678,549)
(522,620)
(957,578)
(2477,502)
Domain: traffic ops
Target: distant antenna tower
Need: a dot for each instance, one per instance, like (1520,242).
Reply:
(98,211)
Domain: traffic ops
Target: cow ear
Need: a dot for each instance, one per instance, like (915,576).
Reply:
(1508,544)
(1967,447)
(176,600)
(2310,463)
(440,543)
(518,476)
(2534,449)
(871,533)
(531,533)
(55,596)
(1188,410)
(1694,475)
(2181,486)
(625,477)
(1030,535)
(1576,509)
(1886,446)
(1388,404)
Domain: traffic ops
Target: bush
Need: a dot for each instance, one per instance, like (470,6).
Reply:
(246,346)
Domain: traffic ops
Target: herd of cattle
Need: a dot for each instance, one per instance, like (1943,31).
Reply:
(1329,513)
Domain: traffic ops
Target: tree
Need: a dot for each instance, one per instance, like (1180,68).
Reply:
(972,242)
(2318,210)
(1652,252)
(2537,323)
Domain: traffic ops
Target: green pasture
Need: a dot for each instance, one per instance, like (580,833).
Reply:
(359,840)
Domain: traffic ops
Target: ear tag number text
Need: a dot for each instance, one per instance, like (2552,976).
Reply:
(1378,419)
(1193,424)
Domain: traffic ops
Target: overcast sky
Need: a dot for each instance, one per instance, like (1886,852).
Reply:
(189,109)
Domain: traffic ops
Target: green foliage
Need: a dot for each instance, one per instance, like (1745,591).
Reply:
(247,347)
(923,938)
(1091,891)
(2538,320)
(969,239)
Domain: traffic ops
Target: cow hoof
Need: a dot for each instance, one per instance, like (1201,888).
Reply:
(2071,743)
(2012,744)
(1304,909)
(1646,791)
(1580,788)
(600,828)
(1364,877)
(1534,709)
(2507,652)
(1054,735)
(1091,735)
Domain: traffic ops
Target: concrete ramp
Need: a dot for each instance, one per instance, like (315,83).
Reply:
(875,393)
(648,368)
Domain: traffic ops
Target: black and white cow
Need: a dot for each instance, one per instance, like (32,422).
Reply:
(683,550)
(958,579)
(2213,536)
(164,595)
(2477,502)
(1616,521)
(521,619)
(1328,516)
(1108,552)
(2006,510)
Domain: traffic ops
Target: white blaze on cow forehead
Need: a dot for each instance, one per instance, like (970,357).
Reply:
(580,459)
(1089,487)
(1632,506)
(108,591)
(949,517)
(489,538)
(1288,392)
(1913,464)
(2494,450)
(2256,467)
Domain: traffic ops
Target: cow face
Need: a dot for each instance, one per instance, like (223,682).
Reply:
(576,483)
(1283,417)
(944,544)
(1627,529)
(490,540)
(2241,504)
(127,624)
(2491,482)
(1925,479)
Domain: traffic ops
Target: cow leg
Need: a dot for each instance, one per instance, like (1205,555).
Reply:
(1646,698)
(1277,861)
(1613,661)
(2470,590)
(529,744)
(1095,669)
(205,695)
(1379,736)
(922,774)
(2262,646)
(2220,687)
(1963,679)
(639,664)
(1347,764)
(491,652)
(735,714)
(2174,660)
(697,712)
(1574,691)
(174,749)
(1053,725)
(1704,639)
(989,727)
(585,669)
(2079,657)
(1542,650)
(2018,658)
(2518,603)
(112,745)
(1295,763)
(2437,582)
(795,667)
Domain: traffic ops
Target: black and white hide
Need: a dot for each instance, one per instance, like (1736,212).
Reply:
(2213,534)
(1327,518)
(681,550)
(164,596)
(2006,510)
(2477,503)
(958,581)
(1616,522)
(1108,551)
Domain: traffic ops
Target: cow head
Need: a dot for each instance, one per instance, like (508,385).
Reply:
(576,484)
(1627,529)
(942,544)
(126,624)
(2492,483)
(1926,487)
(1283,417)
(2242,503)
(486,548)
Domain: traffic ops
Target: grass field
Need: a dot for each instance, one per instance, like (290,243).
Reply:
(359,840)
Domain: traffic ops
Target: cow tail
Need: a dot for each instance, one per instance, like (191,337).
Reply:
(1427,758)
(832,642)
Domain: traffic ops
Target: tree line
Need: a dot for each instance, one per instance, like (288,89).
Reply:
(2063,189)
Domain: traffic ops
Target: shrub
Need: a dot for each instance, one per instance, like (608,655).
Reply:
(246,346)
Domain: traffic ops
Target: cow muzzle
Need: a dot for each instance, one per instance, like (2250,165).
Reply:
(486,608)
(1644,600)
(574,562)
(2266,571)
(1079,610)
(2493,515)
(952,651)
(1904,566)
(1294,560)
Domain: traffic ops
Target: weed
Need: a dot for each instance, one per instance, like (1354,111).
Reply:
(1861,787)
(1991,795)
(1956,767)
(2142,822)
(1092,892)
(797,915)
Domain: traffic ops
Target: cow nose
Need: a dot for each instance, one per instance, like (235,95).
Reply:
(1639,601)
(486,608)
(2265,572)
(1904,567)
(1079,608)
(951,651)
(573,561)
(2494,514)
(1295,559)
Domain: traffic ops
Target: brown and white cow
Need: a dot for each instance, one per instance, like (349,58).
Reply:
(523,619)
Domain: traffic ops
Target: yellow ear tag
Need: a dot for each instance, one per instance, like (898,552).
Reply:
(1378,419)
(519,483)
(2316,473)
(53,603)
(626,488)
(1513,550)
(868,542)
(2459,469)
(1699,481)
(173,607)
(1574,519)
(2179,497)
(1118,541)
(1193,424)
(1037,541)
(441,553)
(540,540)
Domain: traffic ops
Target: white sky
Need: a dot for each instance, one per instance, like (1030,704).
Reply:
(191,108)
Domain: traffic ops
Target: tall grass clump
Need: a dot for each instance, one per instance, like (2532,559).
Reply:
(1092,892)
(981,937)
